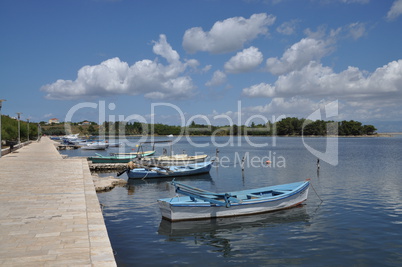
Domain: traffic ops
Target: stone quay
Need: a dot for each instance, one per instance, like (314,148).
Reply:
(49,211)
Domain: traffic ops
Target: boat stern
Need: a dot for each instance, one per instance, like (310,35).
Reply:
(165,209)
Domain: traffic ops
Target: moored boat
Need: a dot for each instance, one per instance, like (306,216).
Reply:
(113,144)
(169,171)
(177,160)
(119,158)
(95,146)
(169,159)
(202,204)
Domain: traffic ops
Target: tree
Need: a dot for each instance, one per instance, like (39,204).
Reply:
(287,126)
(369,129)
(350,128)
(92,130)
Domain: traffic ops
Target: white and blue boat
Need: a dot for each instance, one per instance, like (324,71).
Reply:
(201,204)
(98,145)
(169,171)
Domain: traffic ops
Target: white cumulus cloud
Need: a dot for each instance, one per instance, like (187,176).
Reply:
(228,35)
(299,55)
(260,90)
(288,107)
(218,78)
(395,11)
(113,76)
(382,86)
(244,61)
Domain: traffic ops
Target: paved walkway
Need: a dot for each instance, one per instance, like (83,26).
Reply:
(49,211)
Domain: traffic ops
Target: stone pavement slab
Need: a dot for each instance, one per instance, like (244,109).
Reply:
(49,211)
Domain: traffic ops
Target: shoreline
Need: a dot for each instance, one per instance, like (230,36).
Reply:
(174,137)
(352,136)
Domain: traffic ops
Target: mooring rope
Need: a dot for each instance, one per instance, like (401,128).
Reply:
(316,192)
(145,176)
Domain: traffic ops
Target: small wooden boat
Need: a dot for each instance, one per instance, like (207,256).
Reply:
(95,146)
(119,158)
(202,204)
(169,159)
(175,160)
(113,144)
(169,171)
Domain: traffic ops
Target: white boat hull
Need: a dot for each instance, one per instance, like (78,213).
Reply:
(95,146)
(183,208)
(176,160)
(175,171)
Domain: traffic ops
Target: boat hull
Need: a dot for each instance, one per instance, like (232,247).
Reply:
(177,171)
(184,208)
(109,160)
(118,158)
(177,160)
(95,146)
(100,147)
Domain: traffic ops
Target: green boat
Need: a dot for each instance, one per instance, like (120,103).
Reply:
(119,157)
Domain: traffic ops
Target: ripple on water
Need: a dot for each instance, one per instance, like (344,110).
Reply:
(358,222)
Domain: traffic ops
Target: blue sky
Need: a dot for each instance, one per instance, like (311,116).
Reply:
(211,61)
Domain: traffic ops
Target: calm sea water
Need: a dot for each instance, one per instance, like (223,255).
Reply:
(353,215)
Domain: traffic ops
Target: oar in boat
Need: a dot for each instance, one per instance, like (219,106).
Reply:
(130,166)
(146,165)
(215,198)
(149,167)
(123,171)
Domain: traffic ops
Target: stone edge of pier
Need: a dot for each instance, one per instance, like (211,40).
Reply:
(101,252)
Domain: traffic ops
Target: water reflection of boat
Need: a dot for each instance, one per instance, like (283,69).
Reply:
(185,228)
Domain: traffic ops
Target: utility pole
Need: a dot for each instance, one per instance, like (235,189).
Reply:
(1,103)
(19,132)
(28,129)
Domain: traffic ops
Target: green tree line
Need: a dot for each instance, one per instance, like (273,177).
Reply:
(289,126)
(9,129)
(296,127)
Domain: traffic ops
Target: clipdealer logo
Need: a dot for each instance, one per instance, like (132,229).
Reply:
(330,110)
